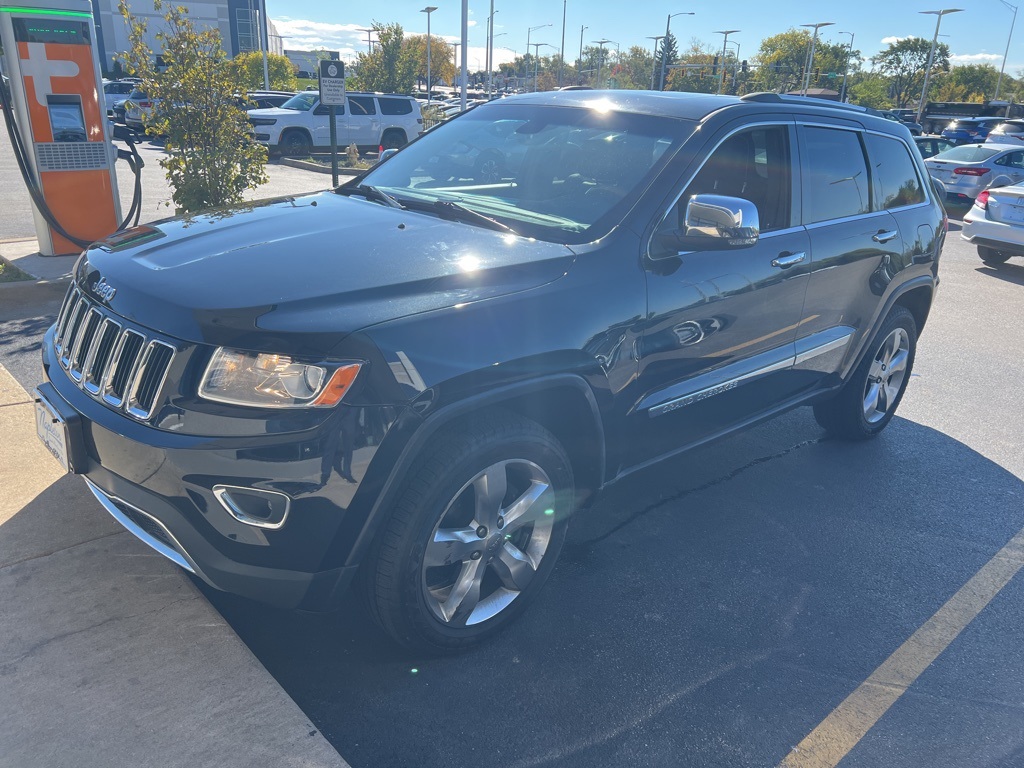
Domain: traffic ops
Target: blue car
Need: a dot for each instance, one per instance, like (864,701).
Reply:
(970,130)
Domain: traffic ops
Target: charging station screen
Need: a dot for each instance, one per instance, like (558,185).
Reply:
(67,122)
(51,31)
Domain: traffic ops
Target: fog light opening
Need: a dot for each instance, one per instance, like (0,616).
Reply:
(254,506)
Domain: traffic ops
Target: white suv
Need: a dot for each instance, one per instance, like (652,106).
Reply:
(369,121)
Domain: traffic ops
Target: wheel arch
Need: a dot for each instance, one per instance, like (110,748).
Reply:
(915,295)
(564,404)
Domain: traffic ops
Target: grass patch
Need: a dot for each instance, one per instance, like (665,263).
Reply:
(11,274)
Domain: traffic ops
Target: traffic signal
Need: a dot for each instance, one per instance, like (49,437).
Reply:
(743,66)
(714,66)
(817,73)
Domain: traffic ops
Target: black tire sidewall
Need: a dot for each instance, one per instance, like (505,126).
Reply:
(422,623)
(294,144)
(897,319)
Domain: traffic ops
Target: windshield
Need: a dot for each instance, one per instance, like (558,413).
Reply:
(300,102)
(559,174)
(968,154)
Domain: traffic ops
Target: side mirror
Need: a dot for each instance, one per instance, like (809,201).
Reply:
(717,221)
(387,154)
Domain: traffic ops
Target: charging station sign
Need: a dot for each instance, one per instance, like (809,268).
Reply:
(332,83)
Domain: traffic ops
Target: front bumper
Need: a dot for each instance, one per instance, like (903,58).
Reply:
(159,485)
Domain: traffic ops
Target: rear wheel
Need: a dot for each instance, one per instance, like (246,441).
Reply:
(991,256)
(868,400)
(474,535)
(393,139)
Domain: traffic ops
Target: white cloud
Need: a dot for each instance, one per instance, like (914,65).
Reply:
(302,34)
(894,39)
(975,58)
(471,23)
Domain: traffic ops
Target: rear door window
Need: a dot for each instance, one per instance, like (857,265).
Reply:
(836,181)
(895,175)
(361,105)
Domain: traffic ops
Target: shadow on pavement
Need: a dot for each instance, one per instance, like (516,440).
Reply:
(1010,272)
(763,579)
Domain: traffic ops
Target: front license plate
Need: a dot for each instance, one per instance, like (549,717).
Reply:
(52,431)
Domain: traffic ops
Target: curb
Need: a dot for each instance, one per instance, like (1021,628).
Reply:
(315,167)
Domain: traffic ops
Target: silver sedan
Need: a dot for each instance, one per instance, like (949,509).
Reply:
(995,224)
(965,171)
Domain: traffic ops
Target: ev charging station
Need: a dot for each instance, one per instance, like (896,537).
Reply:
(62,139)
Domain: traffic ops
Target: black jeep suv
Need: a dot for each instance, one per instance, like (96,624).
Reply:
(414,381)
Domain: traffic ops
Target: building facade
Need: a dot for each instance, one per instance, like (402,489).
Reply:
(238,22)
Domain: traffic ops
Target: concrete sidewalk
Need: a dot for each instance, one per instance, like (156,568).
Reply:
(109,656)
(24,254)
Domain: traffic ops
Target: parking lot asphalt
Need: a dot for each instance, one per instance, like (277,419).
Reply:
(715,610)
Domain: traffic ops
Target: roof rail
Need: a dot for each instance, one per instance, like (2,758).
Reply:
(769,96)
(779,98)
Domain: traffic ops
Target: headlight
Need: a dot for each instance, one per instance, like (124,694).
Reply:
(262,120)
(274,381)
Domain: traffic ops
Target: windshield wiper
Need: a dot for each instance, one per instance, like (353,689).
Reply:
(460,212)
(370,192)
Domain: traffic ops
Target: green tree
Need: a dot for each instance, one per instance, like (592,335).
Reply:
(904,63)
(692,71)
(781,59)
(212,156)
(442,58)
(248,69)
(869,89)
(633,70)
(667,53)
(390,68)
(971,82)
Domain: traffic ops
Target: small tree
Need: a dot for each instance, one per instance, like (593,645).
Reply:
(390,68)
(212,156)
(905,61)
(248,70)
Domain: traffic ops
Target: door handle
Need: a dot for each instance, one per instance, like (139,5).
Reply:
(884,237)
(787,260)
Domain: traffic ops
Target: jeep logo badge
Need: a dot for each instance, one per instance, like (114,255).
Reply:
(103,289)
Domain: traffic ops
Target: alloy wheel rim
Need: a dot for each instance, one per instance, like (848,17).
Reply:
(886,376)
(486,548)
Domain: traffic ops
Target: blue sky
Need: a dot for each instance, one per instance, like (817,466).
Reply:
(977,35)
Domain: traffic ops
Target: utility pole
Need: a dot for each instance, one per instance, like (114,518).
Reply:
(580,65)
(931,56)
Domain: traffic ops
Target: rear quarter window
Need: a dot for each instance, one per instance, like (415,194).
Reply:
(895,174)
(395,106)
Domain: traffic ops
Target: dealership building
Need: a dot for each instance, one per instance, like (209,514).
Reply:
(237,20)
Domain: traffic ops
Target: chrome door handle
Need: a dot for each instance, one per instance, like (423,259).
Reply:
(885,237)
(787,260)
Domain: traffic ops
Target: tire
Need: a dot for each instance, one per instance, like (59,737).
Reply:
(393,139)
(455,562)
(489,167)
(295,143)
(870,397)
(991,256)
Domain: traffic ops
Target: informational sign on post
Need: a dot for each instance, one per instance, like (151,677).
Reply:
(332,95)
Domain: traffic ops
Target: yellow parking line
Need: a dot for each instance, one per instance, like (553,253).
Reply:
(838,733)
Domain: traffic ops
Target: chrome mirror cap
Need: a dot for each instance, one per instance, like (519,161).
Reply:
(720,218)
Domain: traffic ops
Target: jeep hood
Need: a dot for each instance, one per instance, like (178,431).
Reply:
(302,273)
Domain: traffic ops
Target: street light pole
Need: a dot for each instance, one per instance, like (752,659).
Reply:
(999,82)
(428,10)
(810,57)
(561,51)
(931,56)
(580,64)
(654,58)
(846,68)
(600,59)
(369,43)
(529,32)
(264,43)
(664,53)
(736,64)
(536,61)
(725,40)
(490,51)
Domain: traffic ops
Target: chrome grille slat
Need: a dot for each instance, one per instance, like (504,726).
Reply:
(123,367)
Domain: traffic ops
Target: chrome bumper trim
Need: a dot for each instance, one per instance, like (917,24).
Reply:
(178,557)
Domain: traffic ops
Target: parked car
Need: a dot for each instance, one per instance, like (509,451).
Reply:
(914,127)
(930,146)
(265,99)
(1007,132)
(137,108)
(369,121)
(448,371)
(995,224)
(970,130)
(966,170)
(115,91)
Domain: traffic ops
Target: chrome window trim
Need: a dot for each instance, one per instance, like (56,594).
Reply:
(683,187)
(857,217)
(221,492)
(179,557)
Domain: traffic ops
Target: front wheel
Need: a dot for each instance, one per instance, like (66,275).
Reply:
(868,400)
(474,536)
(991,256)
(295,144)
